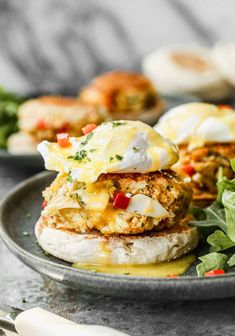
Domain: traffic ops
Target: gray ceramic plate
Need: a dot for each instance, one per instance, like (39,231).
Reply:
(35,161)
(18,215)
(31,161)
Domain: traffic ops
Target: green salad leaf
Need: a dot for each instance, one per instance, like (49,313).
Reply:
(9,104)
(211,262)
(231,261)
(214,215)
(232,162)
(228,201)
(221,214)
(219,241)
(224,184)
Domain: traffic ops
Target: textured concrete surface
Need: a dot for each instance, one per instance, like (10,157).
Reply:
(22,287)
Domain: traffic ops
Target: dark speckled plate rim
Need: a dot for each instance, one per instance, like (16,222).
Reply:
(19,251)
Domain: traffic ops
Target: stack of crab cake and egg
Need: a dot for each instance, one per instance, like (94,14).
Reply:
(114,95)
(205,134)
(115,199)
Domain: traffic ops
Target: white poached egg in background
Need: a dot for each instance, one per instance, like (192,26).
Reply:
(113,147)
(197,123)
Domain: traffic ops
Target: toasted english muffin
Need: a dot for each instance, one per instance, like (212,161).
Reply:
(186,69)
(21,143)
(95,248)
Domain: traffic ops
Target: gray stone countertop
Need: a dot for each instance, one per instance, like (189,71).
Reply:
(22,287)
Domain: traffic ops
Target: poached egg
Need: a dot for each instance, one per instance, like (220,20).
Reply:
(197,123)
(113,147)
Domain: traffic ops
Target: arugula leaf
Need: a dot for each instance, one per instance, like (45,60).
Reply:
(219,241)
(232,162)
(224,184)
(214,215)
(228,201)
(231,261)
(210,262)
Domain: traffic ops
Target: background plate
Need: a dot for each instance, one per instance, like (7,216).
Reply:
(31,161)
(35,162)
(18,215)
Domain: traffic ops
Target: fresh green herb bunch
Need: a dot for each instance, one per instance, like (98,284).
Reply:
(9,104)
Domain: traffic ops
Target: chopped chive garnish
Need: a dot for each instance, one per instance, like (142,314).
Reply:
(118,157)
(83,143)
(118,123)
(135,149)
(79,156)
(89,136)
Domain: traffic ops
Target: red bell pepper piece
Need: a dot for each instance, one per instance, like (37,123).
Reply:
(225,107)
(214,273)
(121,201)
(44,204)
(63,139)
(41,125)
(188,170)
(88,128)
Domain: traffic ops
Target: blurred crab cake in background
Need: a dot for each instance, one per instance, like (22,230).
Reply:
(185,69)
(124,95)
(42,118)
(205,134)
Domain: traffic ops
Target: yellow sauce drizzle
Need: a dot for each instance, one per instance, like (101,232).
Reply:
(164,269)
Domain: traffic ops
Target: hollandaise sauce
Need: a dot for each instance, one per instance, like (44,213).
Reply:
(164,269)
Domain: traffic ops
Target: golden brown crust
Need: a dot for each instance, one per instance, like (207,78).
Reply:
(183,226)
(224,149)
(109,82)
(120,92)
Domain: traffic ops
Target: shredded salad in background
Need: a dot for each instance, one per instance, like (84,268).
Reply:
(9,104)
(219,220)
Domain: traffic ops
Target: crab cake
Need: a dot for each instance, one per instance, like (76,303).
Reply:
(124,95)
(46,116)
(205,135)
(203,167)
(86,212)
